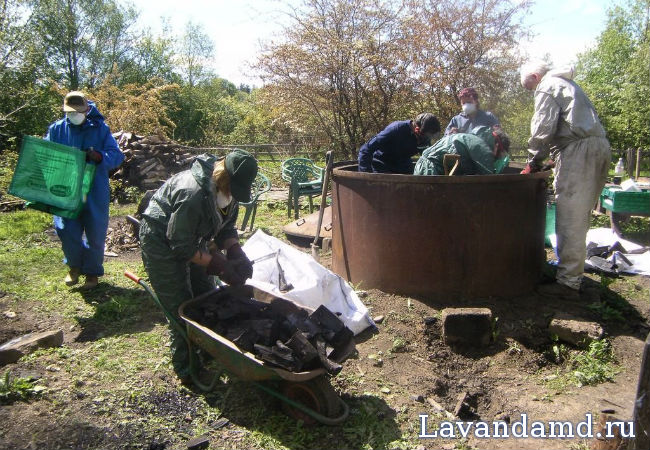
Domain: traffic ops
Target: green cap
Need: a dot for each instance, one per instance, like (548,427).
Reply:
(242,168)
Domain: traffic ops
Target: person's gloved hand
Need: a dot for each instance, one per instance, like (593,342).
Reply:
(93,155)
(530,168)
(224,269)
(243,265)
(548,166)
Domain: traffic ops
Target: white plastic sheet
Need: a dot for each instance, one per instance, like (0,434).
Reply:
(313,284)
(606,236)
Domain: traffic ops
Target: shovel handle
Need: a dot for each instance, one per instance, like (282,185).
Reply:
(132,276)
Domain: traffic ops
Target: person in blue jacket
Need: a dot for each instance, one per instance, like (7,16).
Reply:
(472,116)
(391,150)
(83,127)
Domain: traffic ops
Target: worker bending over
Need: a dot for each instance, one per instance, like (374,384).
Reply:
(391,150)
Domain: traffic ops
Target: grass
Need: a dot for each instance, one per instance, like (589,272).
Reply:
(119,356)
(18,389)
(595,365)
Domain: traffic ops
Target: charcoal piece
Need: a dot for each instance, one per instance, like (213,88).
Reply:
(329,323)
(241,307)
(304,324)
(282,349)
(329,365)
(284,307)
(302,348)
(595,250)
(277,357)
(244,338)
(343,352)
(342,337)
(266,329)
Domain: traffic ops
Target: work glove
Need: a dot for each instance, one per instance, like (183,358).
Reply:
(93,155)
(243,265)
(224,269)
(548,166)
(530,168)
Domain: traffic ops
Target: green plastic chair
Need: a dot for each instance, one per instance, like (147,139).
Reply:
(304,178)
(260,185)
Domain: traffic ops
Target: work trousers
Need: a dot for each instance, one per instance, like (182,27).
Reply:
(174,282)
(83,238)
(580,174)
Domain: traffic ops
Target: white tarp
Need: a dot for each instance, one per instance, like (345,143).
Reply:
(313,284)
(606,236)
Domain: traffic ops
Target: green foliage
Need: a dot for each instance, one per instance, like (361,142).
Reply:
(594,366)
(17,389)
(124,194)
(616,77)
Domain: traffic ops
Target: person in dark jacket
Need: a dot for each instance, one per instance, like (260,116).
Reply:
(193,209)
(391,150)
(472,116)
(84,128)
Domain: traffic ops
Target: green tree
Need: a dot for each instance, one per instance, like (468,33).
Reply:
(195,51)
(84,38)
(615,74)
(26,103)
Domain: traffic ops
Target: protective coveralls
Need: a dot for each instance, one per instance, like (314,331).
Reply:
(475,150)
(565,124)
(390,151)
(87,254)
(181,219)
(465,123)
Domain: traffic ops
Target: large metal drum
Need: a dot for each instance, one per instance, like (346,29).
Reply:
(439,237)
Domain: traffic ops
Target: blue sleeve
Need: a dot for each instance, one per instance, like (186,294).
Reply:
(493,118)
(452,124)
(112,156)
(365,158)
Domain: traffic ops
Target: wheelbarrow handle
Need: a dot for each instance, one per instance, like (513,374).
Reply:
(132,276)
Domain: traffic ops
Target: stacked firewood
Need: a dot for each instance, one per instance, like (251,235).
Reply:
(149,160)
(120,237)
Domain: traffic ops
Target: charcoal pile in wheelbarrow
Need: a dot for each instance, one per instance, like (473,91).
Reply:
(279,332)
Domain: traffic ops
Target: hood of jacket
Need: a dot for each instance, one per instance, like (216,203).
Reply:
(567,72)
(202,169)
(484,133)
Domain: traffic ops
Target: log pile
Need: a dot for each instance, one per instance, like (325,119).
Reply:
(149,160)
(120,237)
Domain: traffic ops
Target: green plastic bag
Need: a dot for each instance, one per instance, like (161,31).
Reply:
(49,173)
(89,176)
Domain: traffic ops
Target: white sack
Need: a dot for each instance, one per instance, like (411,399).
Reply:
(313,284)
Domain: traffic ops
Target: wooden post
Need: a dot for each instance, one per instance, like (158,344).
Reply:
(630,158)
(642,403)
(638,163)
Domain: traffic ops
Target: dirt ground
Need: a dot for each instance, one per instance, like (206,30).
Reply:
(405,361)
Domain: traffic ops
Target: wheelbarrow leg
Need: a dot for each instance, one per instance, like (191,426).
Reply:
(195,366)
(312,393)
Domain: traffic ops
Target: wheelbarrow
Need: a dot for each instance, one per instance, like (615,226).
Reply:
(306,396)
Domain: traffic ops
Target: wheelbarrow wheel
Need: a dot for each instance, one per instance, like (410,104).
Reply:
(316,394)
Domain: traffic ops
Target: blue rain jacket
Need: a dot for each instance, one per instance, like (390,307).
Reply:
(93,220)
(390,151)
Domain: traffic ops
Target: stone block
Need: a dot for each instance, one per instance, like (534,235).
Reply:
(467,326)
(575,330)
(15,349)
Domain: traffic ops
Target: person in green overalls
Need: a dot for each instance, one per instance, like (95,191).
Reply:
(192,209)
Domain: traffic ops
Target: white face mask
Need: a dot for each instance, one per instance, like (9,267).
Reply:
(223,200)
(76,118)
(469,108)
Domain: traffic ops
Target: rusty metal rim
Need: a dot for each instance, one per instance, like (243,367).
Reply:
(344,171)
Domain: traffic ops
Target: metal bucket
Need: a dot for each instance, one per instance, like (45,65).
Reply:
(440,237)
